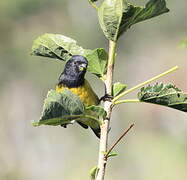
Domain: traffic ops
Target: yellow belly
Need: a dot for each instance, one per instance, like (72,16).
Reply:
(85,93)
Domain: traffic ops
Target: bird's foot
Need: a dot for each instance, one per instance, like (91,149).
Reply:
(106,97)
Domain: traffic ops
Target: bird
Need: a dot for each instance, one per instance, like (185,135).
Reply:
(73,79)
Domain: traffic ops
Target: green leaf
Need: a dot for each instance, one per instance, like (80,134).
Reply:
(93,172)
(118,88)
(62,48)
(166,95)
(60,108)
(134,14)
(112,154)
(93,116)
(97,61)
(64,108)
(98,111)
(116,16)
(110,15)
(56,46)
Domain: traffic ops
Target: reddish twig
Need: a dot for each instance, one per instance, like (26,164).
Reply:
(118,140)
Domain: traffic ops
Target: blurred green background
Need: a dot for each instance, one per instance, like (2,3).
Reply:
(155,149)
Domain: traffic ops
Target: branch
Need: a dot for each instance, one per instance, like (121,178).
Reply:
(118,140)
(145,82)
(108,108)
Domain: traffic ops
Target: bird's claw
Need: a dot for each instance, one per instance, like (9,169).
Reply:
(106,97)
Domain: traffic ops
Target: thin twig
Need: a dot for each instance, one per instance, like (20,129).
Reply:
(118,140)
(145,82)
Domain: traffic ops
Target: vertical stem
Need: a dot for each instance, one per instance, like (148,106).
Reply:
(102,161)
(110,67)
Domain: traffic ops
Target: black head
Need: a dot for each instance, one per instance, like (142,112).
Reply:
(74,71)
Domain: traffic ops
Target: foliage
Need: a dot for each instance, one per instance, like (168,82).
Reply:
(56,46)
(65,108)
(112,154)
(118,88)
(116,16)
(97,62)
(93,172)
(60,47)
(167,95)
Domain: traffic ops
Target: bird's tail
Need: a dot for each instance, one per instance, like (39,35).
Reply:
(94,126)
(97,132)
(83,125)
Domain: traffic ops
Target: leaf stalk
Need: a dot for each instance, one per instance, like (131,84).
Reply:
(127,101)
(145,82)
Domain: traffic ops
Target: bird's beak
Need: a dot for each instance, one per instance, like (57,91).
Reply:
(82,67)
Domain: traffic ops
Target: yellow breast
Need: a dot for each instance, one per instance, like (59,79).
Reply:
(85,93)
